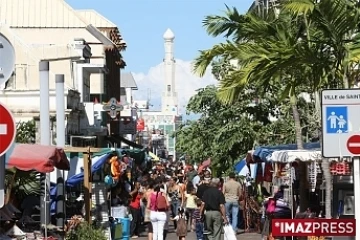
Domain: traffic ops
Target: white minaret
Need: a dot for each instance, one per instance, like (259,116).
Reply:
(169,98)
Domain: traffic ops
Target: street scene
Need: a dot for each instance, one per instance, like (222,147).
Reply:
(179,119)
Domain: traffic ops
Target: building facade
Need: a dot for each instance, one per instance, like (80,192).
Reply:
(88,56)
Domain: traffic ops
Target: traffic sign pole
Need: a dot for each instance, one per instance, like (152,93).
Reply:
(2,181)
(7,124)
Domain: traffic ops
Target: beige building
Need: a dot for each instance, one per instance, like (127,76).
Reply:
(81,44)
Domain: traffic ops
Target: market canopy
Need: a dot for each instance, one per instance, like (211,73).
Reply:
(263,154)
(98,159)
(43,159)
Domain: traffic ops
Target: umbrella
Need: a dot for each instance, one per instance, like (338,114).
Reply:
(26,219)
(11,208)
(15,231)
(4,217)
(7,212)
(41,158)
(4,237)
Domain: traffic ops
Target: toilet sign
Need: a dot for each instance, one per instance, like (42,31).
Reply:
(340,122)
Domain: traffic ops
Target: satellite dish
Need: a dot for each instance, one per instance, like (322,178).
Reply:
(7,59)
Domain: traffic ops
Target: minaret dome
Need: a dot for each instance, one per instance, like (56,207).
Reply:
(169,35)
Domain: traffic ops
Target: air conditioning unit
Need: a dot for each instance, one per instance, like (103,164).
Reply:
(83,141)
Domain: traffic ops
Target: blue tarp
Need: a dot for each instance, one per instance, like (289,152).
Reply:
(240,165)
(78,178)
(262,153)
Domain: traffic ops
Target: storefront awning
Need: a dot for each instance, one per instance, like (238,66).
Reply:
(43,159)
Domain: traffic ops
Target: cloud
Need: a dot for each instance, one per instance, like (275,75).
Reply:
(152,84)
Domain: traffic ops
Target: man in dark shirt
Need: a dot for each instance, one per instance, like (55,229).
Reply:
(214,209)
(202,188)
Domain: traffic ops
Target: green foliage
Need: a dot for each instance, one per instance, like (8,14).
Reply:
(85,231)
(22,183)
(226,132)
(25,132)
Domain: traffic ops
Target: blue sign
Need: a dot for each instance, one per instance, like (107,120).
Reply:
(336,119)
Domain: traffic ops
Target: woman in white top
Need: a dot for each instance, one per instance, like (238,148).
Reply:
(190,205)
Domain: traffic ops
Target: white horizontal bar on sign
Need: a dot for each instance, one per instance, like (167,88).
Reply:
(354,145)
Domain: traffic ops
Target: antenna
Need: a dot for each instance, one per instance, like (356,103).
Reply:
(149,94)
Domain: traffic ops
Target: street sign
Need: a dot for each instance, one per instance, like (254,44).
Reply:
(113,107)
(340,122)
(353,144)
(7,59)
(336,120)
(7,129)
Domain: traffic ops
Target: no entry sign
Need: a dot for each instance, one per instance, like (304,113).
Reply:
(353,144)
(7,129)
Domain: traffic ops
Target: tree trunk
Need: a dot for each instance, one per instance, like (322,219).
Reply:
(325,165)
(298,129)
(10,187)
(302,165)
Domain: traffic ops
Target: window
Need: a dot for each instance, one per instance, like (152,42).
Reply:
(169,88)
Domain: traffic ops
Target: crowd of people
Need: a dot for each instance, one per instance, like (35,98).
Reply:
(192,200)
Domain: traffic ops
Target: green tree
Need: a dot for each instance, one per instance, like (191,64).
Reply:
(25,132)
(226,132)
(301,47)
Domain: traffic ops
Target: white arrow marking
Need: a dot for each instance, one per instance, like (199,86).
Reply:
(3,129)
(354,144)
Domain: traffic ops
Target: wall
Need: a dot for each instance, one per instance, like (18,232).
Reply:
(38,40)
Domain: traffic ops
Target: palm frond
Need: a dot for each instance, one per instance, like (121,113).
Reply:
(299,7)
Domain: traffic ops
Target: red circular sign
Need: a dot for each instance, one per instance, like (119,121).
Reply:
(353,144)
(7,129)
(140,126)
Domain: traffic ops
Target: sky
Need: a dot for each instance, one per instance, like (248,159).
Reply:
(142,24)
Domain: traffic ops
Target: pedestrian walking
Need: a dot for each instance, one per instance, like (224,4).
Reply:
(174,193)
(190,206)
(199,225)
(135,210)
(232,192)
(158,206)
(214,209)
(181,230)
(146,198)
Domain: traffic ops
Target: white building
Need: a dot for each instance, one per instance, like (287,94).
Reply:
(162,124)
(73,44)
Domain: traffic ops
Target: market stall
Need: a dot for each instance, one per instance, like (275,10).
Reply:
(20,159)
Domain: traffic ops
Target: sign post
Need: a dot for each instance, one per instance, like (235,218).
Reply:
(7,124)
(341,132)
(7,137)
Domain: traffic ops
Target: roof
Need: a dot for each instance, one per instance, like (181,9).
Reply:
(127,81)
(39,14)
(95,18)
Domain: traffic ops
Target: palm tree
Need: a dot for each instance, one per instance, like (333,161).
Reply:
(306,46)
(333,26)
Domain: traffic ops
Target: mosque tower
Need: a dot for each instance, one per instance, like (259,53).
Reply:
(169,98)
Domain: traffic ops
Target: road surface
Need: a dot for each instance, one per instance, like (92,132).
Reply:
(191,236)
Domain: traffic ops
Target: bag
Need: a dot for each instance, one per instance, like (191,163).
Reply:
(181,229)
(271,206)
(229,233)
(160,203)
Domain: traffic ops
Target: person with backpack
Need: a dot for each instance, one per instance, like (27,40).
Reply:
(181,230)
(158,205)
